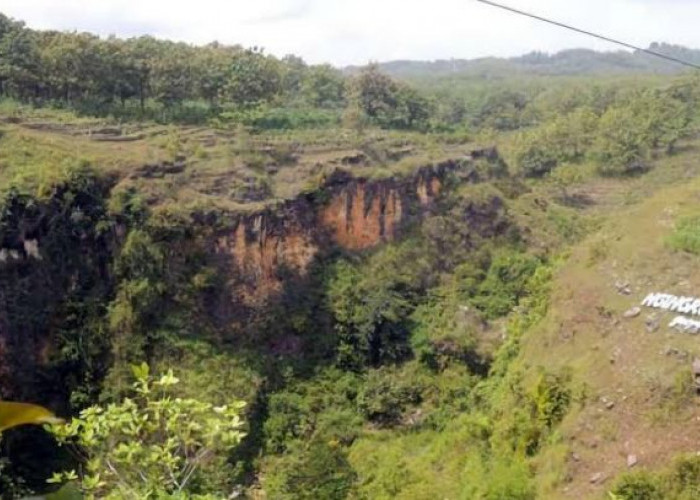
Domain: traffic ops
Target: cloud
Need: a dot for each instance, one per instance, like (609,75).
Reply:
(356,31)
(297,10)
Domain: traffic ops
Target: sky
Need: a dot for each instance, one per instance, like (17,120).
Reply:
(343,32)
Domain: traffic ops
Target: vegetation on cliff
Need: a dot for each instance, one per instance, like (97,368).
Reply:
(403,282)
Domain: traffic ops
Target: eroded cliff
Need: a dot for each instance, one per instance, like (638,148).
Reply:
(64,299)
(349,213)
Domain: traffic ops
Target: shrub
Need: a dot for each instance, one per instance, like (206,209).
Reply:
(385,397)
(686,236)
(639,485)
(320,470)
(551,398)
(505,283)
(621,146)
(150,445)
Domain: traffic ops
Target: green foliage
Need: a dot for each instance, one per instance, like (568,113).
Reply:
(562,140)
(309,425)
(371,305)
(679,481)
(638,486)
(551,398)
(686,235)
(503,110)
(509,481)
(621,147)
(151,444)
(321,470)
(446,328)
(384,396)
(505,283)
(386,102)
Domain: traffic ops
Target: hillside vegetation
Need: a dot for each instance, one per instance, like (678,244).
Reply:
(480,346)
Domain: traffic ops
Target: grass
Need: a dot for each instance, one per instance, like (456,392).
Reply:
(686,236)
(641,223)
(38,147)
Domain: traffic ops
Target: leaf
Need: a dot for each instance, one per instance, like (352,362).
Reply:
(140,371)
(14,414)
(68,492)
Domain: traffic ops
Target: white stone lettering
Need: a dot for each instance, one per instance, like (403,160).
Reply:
(673,303)
(681,323)
(650,299)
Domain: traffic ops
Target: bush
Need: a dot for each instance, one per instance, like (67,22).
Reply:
(686,236)
(321,470)
(150,445)
(371,303)
(505,283)
(385,396)
(639,485)
(563,140)
(621,146)
(551,398)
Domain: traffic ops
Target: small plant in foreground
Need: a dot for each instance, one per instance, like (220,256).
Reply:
(151,445)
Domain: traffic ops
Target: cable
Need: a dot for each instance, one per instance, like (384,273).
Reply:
(589,33)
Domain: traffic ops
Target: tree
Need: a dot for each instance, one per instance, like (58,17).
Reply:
(253,78)
(563,140)
(621,145)
(665,119)
(374,92)
(171,73)
(149,445)
(19,63)
(323,86)
(503,111)
(211,70)
(293,69)
(386,102)
(412,111)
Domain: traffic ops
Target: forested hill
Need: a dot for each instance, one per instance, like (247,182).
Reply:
(566,62)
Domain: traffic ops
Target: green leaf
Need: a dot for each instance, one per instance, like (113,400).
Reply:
(15,414)
(140,371)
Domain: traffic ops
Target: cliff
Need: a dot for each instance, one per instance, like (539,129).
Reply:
(58,254)
(348,213)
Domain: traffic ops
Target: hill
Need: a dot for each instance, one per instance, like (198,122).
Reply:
(570,62)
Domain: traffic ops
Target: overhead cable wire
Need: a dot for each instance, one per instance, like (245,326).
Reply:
(590,33)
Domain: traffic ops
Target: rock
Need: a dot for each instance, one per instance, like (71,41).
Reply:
(652,323)
(631,460)
(575,457)
(633,313)
(623,288)
(598,477)
(608,403)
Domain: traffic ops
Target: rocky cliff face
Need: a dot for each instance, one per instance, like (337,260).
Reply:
(348,213)
(57,264)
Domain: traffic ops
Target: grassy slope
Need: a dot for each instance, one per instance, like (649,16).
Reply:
(610,358)
(653,414)
(222,168)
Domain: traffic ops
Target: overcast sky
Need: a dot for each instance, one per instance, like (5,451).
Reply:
(356,31)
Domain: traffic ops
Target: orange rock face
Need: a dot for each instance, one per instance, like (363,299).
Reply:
(358,214)
(359,218)
(257,253)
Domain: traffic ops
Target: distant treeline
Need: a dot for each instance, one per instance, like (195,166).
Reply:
(565,62)
(146,78)
(149,78)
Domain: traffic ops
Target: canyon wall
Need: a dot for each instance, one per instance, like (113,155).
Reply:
(348,213)
(57,266)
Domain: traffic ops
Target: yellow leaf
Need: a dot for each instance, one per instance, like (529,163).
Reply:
(14,414)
